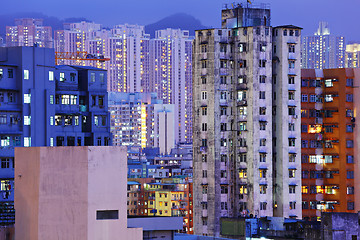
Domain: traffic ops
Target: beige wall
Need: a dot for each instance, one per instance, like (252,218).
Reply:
(61,188)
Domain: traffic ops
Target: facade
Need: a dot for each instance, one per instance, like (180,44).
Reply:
(352,55)
(244,91)
(88,204)
(328,140)
(140,119)
(322,50)
(169,197)
(29,32)
(44,105)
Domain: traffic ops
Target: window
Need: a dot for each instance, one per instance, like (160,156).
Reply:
(204,127)
(291,64)
(222,79)
(291,111)
(102,77)
(27,120)
(242,47)
(204,142)
(292,157)
(262,141)
(204,221)
(203,63)
(65,99)
(349,159)
(242,157)
(5,163)
(292,173)
(203,80)
(291,80)
(349,128)
(204,173)
(242,63)
(3,119)
(349,82)
(291,48)
(222,127)
(263,189)
(58,120)
(27,98)
(291,142)
(5,141)
(204,157)
(262,126)
(223,189)
(349,143)
(262,157)
(73,99)
(262,78)
(305,205)
(204,189)
(328,82)
(292,189)
(285,32)
(304,144)
(350,174)
(291,127)
(242,126)
(304,189)
(242,173)
(261,94)
(262,110)
(263,205)
(204,111)
(349,113)
(291,95)
(62,77)
(349,97)
(292,205)
(262,47)
(51,76)
(51,120)
(92,77)
(304,82)
(10,73)
(26,74)
(107,214)
(350,190)
(262,63)
(262,173)
(27,141)
(304,97)
(350,206)
(223,111)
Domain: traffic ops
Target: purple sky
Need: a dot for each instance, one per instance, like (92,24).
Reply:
(342,15)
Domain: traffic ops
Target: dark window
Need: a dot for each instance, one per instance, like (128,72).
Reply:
(10,73)
(107,214)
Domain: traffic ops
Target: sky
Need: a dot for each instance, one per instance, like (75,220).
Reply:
(342,15)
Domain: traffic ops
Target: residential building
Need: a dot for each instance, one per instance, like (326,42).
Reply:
(138,63)
(352,55)
(245,108)
(323,50)
(88,204)
(44,105)
(140,119)
(329,100)
(29,32)
(166,197)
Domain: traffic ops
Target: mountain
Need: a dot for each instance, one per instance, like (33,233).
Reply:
(180,20)
(54,22)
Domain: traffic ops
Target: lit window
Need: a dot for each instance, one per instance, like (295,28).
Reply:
(5,141)
(92,76)
(26,74)
(62,77)
(51,99)
(51,76)
(27,120)
(51,142)
(51,120)
(27,98)
(27,141)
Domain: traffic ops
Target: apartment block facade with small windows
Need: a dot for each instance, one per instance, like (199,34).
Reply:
(44,105)
(329,141)
(246,134)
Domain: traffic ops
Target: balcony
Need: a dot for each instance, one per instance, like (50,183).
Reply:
(242,103)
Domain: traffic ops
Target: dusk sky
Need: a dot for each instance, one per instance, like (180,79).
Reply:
(341,15)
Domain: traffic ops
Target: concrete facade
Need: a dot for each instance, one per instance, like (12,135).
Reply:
(64,192)
(241,157)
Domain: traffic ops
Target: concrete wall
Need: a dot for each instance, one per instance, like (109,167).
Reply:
(60,189)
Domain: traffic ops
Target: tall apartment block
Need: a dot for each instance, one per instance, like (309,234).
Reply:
(323,50)
(139,64)
(330,100)
(352,55)
(28,32)
(171,75)
(141,119)
(246,135)
(44,105)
